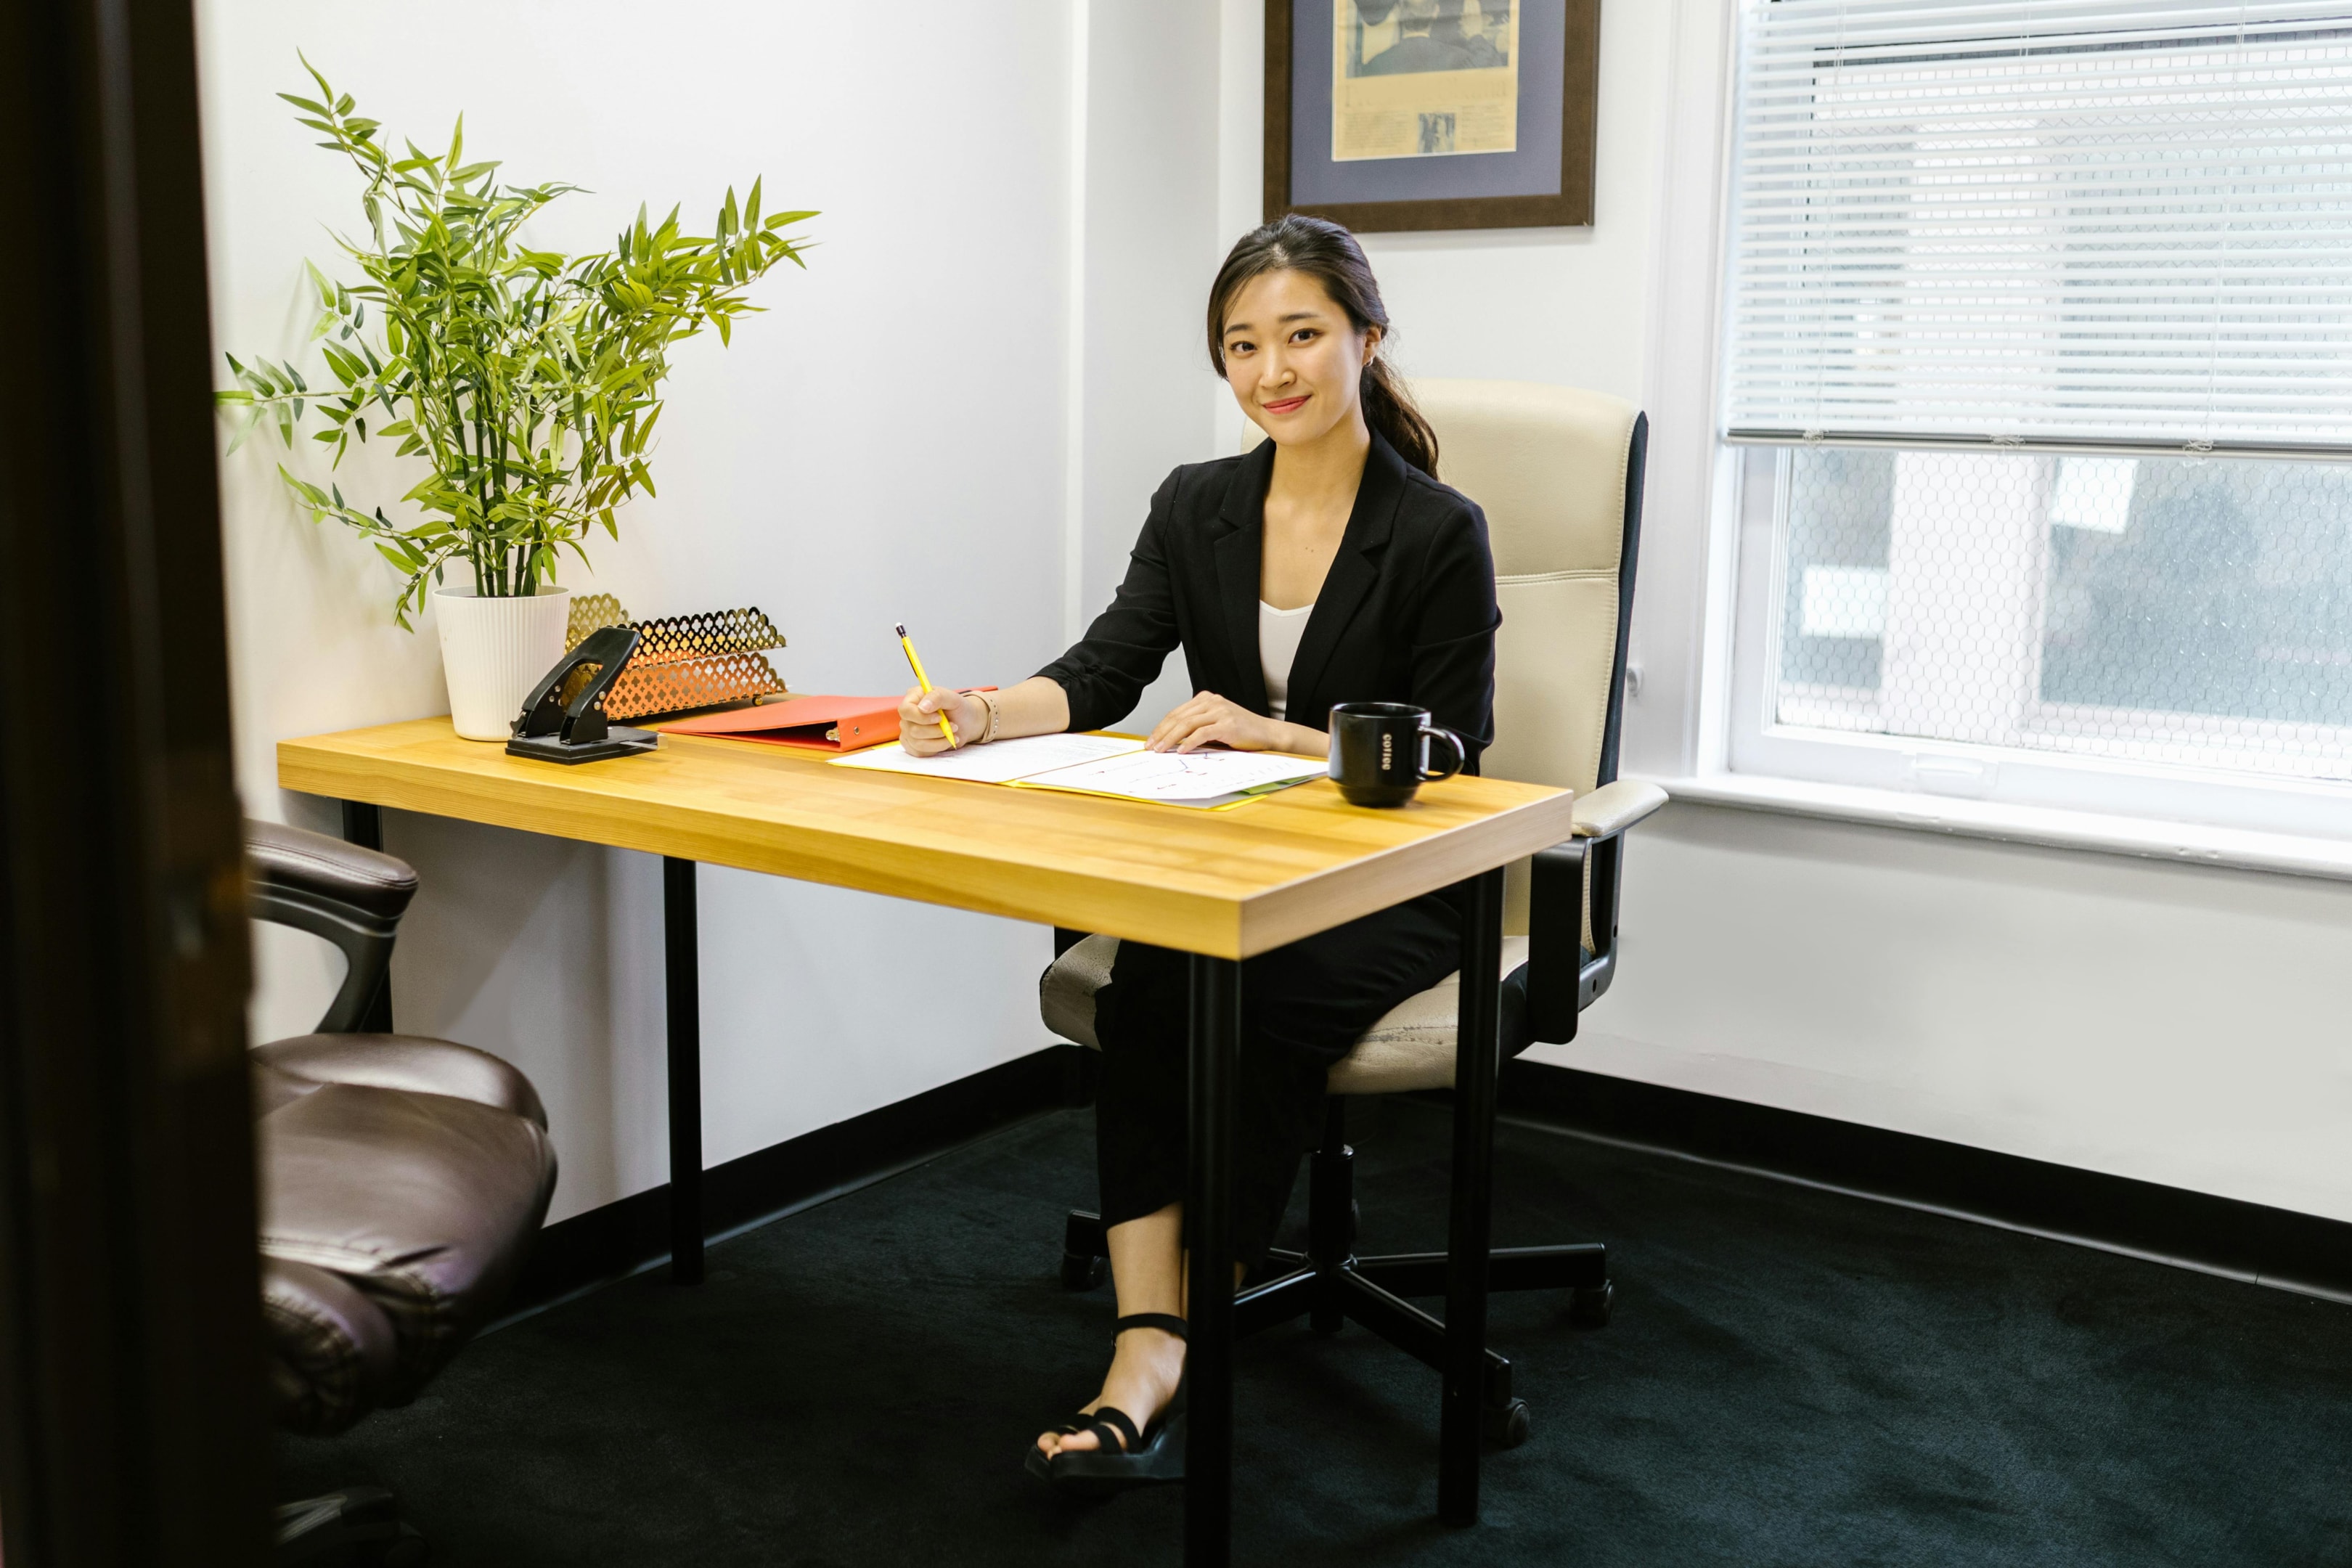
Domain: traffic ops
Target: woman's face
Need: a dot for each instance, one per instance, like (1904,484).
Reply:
(1292,358)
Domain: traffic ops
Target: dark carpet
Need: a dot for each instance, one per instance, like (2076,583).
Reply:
(1793,1377)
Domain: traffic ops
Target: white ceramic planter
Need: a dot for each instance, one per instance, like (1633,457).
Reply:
(493,651)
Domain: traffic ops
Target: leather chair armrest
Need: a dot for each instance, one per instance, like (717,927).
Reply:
(1615,807)
(352,897)
(317,868)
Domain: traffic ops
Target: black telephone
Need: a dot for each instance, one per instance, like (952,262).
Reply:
(555,732)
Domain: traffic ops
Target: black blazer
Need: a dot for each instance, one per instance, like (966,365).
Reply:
(1406,615)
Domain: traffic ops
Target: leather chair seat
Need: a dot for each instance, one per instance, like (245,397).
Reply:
(1411,1047)
(393,1221)
(332,1351)
(287,1070)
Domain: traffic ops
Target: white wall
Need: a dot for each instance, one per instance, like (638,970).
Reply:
(887,442)
(1147,395)
(2183,1025)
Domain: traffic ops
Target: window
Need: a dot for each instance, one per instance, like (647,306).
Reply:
(2040,344)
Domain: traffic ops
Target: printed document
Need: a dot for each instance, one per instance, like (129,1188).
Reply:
(1000,761)
(1104,764)
(1182,778)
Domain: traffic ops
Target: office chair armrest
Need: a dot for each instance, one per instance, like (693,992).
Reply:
(1563,979)
(1615,807)
(1555,940)
(323,870)
(352,897)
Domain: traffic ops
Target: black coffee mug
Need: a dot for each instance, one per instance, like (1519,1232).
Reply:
(1380,750)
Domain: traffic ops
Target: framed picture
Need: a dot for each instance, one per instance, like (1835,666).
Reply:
(1398,114)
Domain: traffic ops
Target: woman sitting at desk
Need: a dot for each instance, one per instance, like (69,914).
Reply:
(1327,565)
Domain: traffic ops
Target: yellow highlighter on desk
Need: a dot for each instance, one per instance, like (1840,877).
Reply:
(925,682)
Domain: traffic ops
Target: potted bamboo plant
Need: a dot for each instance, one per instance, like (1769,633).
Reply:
(528,382)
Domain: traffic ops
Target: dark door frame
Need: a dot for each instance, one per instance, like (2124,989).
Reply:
(132,1427)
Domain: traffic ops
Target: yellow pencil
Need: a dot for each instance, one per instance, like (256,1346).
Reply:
(925,682)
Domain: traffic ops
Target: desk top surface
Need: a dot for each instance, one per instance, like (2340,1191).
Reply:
(1226,883)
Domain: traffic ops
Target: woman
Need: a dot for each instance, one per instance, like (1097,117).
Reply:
(1328,566)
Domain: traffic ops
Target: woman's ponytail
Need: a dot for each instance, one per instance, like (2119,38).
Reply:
(1328,254)
(1389,409)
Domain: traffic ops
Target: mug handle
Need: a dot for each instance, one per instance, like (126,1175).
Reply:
(1461,753)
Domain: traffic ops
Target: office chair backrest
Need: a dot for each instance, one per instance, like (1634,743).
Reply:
(1558,473)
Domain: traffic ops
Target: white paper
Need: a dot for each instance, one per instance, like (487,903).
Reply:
(1182,777)
(999,762)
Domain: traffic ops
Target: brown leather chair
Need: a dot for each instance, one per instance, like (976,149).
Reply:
(402,1182)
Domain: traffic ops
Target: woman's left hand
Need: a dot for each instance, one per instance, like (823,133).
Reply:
(1210,720)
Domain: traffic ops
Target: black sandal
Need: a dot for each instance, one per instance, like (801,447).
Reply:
(1126,1457)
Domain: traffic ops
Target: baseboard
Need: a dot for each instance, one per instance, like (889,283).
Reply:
(2196,1230)
(608,1243)
(2144,1219)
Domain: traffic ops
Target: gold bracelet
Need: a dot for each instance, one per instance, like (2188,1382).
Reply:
(987,700)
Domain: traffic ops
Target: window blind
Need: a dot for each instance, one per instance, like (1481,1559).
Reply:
(2066,225)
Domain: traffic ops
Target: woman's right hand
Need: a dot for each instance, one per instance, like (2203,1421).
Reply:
(918,720)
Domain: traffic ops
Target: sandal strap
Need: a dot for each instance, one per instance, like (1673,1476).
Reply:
(1110,1422)
(1165,1322)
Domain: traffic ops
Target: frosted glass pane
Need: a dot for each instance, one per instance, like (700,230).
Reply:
(2190,611)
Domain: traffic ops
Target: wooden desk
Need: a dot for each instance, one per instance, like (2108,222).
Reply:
(1223,886)
(1227,884)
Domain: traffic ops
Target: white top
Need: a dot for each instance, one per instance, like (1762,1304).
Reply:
(1278,632)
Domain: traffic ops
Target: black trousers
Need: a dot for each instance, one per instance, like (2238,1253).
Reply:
(1303,1006)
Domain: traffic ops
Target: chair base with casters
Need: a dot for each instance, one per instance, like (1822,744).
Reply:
(1329,1285)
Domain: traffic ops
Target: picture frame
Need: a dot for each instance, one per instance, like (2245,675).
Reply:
(1389,115)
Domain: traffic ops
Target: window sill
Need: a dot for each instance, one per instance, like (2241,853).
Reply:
(2146,838)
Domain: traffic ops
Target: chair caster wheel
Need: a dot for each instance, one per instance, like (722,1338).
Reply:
(1589,1308)
(408,1551)
(358,1526)
(1082,1271)
(1504,1427)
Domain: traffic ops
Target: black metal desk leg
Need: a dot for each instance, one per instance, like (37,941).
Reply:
(682,975)
(364,825)
(1477,1068)
(1216,1034)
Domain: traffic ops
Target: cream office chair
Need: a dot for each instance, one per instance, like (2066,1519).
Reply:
(1559,474)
